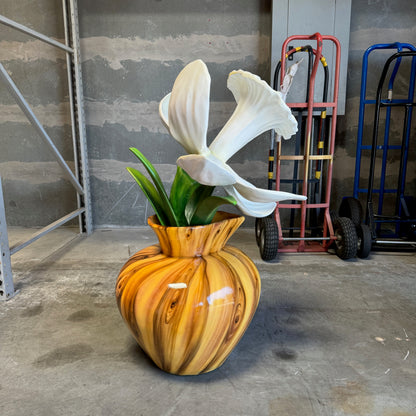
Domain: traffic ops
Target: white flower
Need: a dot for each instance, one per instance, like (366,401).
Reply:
(259,108)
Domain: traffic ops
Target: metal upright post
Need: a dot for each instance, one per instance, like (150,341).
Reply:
(80,116)
(72,105)
(6,277)
(76,98)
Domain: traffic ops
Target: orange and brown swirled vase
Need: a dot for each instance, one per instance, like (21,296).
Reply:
(189,299)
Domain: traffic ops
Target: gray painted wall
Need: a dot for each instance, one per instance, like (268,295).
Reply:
(131,53)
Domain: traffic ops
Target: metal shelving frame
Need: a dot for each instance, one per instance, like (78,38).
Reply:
(79,179)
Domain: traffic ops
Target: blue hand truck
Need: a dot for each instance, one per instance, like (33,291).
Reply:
(375,228)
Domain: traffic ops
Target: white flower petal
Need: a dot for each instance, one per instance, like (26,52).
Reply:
(259,108)
(189,107)
(247,207)
(163,110)
(207,170)
(249,191)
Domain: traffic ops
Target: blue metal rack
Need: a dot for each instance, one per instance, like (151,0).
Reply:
(375,218)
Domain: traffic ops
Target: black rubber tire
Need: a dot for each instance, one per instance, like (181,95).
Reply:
(269,239)
(411,234)
(257,230)
(351,208)
(347,241)
(334,215)
(407,230)
(365,241)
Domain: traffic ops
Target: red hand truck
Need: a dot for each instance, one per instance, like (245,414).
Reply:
(316,156)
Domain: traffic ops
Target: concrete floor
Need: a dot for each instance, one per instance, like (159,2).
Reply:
(330,337)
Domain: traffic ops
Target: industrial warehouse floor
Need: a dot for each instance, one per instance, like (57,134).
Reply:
(330,337)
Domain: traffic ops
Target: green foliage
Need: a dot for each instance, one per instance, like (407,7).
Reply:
(207,208)
(151,194)
(183,187)
(165,205)
(197,197)
(190,203)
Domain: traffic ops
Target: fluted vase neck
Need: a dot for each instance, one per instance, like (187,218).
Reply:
(197,240)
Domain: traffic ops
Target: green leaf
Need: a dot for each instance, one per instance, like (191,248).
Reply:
(183,187)
(166,205)
(207,208)
(151,194)
(199,195)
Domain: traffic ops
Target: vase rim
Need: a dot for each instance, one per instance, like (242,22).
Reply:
(220,216)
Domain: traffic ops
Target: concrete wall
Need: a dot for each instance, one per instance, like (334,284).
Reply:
(131,53)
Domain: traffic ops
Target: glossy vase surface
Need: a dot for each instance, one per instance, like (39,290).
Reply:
(189,299)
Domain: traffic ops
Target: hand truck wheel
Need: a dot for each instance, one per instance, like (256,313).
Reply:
(346,238)
(365,241)
(257,230)
(268,239)
(258,227)
(351,208)
(334,215)
(411,234)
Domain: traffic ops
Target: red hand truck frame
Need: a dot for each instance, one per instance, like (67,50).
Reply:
(342,231)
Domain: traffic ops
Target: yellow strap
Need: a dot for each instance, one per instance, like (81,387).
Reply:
(323,60)
(271,158)
(323,114)
(320,145)
(318,174)
(270,175)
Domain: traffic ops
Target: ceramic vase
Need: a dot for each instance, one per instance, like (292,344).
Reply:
(189,299)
